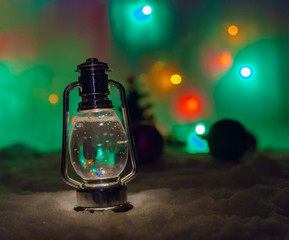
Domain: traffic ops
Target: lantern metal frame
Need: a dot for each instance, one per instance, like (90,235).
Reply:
(92,196)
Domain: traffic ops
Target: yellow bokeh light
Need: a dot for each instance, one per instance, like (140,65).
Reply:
(176,79)
(233,30)
(53,98)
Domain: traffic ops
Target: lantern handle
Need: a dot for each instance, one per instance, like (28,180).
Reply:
(127,125)
(64,167)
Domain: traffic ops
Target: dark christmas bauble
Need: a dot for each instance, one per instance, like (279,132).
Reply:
(149,144)
(228,140)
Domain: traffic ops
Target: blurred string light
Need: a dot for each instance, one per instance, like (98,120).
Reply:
(225,59)
(139,27)
(254,86)
(176,79)
(246,72)
(200,129)
(216,61)
(53,98)
(142,13)
(233,30)
(188,106)
(147,10)
(162,78)
(191,104)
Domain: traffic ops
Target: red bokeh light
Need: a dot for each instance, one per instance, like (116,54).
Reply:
(216,61)
(188,106)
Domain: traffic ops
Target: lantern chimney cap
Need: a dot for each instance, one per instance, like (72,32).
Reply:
(93,65)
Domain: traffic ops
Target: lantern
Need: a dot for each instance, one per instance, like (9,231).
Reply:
(98,145)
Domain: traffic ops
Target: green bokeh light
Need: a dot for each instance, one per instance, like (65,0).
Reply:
(256,101)
(195,144)
(137,32)
(42,42)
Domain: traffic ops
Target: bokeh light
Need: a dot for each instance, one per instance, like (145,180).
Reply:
(200,129)
(188,106)
(216,61)
(246,72)
(176,79)
(162,78)
(147,10)
(139,14)
(233,30)
(139,28)
(225,59)
(191,104)
(53,98)
(231,69)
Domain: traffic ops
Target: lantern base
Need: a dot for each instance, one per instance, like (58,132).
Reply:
(101,199)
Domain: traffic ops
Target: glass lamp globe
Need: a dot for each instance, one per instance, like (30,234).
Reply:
(98,145)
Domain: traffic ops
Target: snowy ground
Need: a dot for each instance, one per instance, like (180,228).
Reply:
(188,197)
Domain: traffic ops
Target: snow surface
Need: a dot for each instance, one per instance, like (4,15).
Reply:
(187,197)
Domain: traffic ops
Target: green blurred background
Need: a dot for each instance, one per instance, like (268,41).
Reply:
(43,41)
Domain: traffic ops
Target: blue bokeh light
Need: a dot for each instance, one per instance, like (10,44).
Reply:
(200,129)
(246,72)
(142,13)
(147,10)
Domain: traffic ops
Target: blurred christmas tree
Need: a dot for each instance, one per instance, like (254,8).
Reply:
(148,140)
(139,113)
